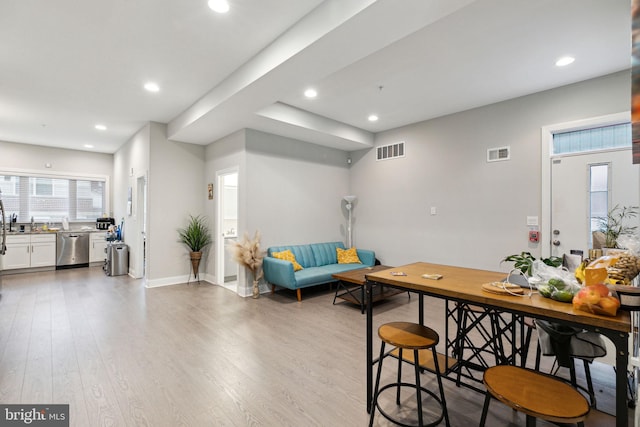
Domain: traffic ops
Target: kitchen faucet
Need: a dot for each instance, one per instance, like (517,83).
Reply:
(12,219)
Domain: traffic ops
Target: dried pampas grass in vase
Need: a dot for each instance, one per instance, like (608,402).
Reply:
(247,253)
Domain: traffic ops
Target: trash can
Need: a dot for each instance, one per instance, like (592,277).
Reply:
(117,262)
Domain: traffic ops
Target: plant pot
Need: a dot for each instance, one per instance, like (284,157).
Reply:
(195,262)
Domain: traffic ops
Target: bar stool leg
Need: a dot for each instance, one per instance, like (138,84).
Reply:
(374,403)
(440,386)
(485,409)
(538,354)
(587,374)
(418,391)
(399,376)
(531,421)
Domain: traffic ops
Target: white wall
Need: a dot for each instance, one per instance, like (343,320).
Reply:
(481,207)
(129,162)
(34,157)
(293,190)
(176,190)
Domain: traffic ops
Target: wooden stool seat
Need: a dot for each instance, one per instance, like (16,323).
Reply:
(535,394)
(409,336)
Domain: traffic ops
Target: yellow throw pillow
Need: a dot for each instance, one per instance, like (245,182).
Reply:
(348,256)
(288,256)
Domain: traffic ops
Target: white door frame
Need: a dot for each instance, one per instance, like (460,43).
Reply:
(546,145)
(140,215)
(219,228)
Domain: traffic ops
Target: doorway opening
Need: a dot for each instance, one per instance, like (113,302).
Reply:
(227,228)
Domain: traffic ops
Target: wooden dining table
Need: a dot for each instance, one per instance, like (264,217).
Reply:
(464,285)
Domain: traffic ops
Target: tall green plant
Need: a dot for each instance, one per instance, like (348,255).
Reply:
(196,234)
(613,226)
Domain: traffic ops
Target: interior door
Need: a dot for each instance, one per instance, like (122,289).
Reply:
(570,195)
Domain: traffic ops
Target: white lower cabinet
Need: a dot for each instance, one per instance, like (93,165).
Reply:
(18,252)
(43,250)
(26,251)
(98,247)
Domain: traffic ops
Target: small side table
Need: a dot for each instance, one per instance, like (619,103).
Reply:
(351,286)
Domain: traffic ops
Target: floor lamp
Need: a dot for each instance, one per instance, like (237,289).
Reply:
(350,200)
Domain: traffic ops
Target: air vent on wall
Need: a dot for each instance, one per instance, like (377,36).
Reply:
(391,151)
(498,154)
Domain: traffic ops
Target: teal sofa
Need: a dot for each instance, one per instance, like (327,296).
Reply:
(319,262)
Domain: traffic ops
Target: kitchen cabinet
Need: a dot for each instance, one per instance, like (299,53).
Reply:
(26,251)
(18,252)
(98,247)
(43,250)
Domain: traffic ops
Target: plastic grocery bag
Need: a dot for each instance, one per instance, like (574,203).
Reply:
(544,273)
(554,282)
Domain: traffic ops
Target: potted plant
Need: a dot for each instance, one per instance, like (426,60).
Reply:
(247,253)
(614,224)
(196,236)
(524,262)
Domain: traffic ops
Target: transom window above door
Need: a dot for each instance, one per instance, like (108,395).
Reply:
(592,139)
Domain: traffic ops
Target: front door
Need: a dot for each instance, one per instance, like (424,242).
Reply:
(584,185)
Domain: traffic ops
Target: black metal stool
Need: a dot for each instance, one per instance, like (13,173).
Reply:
(409,336)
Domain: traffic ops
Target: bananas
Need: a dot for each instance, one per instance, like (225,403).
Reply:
(579,273)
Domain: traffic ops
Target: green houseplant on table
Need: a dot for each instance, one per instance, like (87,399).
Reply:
(196,237)
(524,262)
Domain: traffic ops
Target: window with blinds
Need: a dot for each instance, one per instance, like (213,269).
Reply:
(51,199)
(600,138)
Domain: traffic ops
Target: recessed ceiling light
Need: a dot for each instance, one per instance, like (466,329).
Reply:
(310,93)
(220,6)
(565,60)
(101,127)
(152,87)
(373,118)
(88,146)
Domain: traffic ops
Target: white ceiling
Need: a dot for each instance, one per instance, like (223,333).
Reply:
(67,65)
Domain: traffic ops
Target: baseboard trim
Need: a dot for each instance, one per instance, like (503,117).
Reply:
(168,281)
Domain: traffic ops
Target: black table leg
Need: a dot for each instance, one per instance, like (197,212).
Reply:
(368,304)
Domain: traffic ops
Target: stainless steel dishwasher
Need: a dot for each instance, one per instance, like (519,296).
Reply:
(72,249)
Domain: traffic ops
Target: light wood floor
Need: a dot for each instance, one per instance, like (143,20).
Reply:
(199,355)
